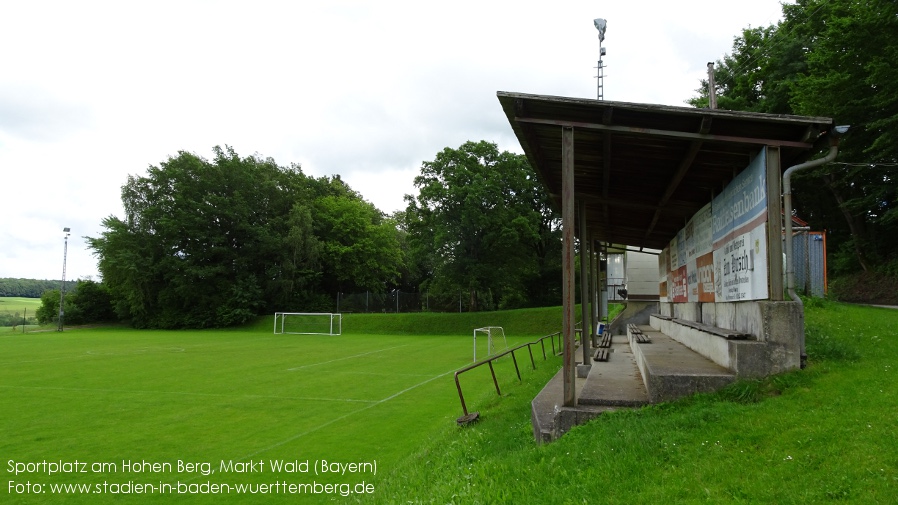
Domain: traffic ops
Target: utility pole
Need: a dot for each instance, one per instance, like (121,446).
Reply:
(712,88)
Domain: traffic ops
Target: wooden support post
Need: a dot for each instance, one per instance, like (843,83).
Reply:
(775,225)
(568,285)
(593,283)
(585,321)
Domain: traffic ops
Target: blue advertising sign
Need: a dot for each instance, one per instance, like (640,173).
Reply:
(742,205)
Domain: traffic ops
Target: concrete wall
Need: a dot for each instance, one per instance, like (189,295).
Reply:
(776,327)
(635,312)
(642,275)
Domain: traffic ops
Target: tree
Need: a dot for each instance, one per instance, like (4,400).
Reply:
(831,58)
(88,302)
(214,243)
(852,77)
(199,240)
(360,249)
(482,225)
(91,302)
(49,309)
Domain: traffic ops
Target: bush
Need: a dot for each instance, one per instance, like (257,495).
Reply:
(89,302)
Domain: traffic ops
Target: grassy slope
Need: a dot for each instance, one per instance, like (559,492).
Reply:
(823,434)
(18,305)
(525,322)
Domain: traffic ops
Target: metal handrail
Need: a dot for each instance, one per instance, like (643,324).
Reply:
(489,361)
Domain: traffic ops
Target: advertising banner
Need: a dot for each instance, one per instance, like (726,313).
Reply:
(742,205)
(701,225)
(740,267)
(704,265)
(676,286)
(721,253)
(673,256)
(691,282)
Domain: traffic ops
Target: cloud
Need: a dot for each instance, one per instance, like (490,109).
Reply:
(93,91)
(35,114)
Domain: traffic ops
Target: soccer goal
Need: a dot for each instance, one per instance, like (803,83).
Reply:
(308,323)
(493,334)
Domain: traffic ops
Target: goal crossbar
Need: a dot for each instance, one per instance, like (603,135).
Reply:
(490,331)
(322,323)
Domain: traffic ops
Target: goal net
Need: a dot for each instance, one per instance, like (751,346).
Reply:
(308,323)
(493,334)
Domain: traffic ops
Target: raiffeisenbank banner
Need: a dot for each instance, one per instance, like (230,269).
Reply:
(721,254)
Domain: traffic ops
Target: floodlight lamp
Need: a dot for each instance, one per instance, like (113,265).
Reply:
(601,26)
(66,229)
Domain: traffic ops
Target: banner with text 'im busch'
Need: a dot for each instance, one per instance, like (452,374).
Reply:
(738,229)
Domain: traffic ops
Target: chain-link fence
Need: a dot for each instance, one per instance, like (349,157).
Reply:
(401,301)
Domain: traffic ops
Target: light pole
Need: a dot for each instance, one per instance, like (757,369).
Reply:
(65,252)
(601,25)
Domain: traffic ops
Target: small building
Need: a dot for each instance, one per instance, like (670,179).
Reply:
(810,259)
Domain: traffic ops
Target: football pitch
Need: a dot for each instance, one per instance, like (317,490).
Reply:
(94,416)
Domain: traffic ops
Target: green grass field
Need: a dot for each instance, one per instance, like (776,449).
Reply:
(110,396)
(383,392)
(19,304)
(13,310)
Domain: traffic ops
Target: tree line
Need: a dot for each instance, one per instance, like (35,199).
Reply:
(206,243)
(831,58)
(29,288)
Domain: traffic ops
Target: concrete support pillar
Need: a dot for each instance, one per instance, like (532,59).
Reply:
(568,284)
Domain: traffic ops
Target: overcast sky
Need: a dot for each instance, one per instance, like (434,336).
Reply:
(91,92)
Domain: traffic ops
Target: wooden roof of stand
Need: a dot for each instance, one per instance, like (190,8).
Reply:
(643,170)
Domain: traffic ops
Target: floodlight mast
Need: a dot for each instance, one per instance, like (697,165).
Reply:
(65,252)
(601,25)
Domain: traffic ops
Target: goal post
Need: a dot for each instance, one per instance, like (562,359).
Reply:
(308,323)
(493,335)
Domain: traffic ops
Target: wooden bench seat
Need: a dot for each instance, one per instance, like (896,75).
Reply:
(638,335)
(642,338)
(600,355)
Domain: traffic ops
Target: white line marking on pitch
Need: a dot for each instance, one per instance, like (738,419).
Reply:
(187,393)
(44,359)
(386,374)
(345,358)
(332,421)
